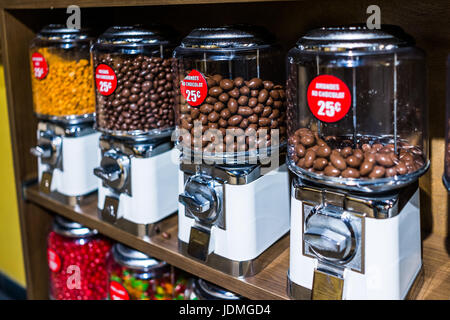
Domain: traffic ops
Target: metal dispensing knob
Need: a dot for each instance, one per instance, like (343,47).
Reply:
(202,198)
(198,204)
(327,242)
(42,150)
(108,173)
(330,236)
(49,149)
(114,170)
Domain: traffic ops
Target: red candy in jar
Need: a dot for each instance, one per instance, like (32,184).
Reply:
(77,259)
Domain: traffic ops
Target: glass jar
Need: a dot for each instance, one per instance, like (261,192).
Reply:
(357,110)
(204,290)
(230,94)
(77,259)
(61,73)
(182,285)
(447,130)
(134,81)
(135,276)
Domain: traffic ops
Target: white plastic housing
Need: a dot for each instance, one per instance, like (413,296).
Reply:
(154,189)
(79,158)
(256,216)
(392,255)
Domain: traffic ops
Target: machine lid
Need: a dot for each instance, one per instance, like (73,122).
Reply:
(355,37)
(135,259)
(68,228)
(60,32)
(133,35)
(236,37)
(209,291)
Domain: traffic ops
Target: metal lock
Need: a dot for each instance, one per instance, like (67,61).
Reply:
(203,201)
(114,170)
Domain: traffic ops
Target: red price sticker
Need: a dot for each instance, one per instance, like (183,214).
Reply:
(54,261)
(40,66)
(194,88)
(329,98)
(117,291)
(105,79)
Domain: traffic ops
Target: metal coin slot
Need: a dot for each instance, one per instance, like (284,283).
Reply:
(114,170)
(203,200)
(330,235)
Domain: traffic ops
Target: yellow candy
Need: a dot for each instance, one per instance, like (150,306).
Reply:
(68,88)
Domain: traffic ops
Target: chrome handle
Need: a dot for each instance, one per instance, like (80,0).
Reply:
(42,151)
(327,242)
(109,173)
(194,203)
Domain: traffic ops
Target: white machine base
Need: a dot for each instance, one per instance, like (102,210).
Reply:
(241,268)
(79,158)
(154,192)
(392,255)
(256,216)
(296,292)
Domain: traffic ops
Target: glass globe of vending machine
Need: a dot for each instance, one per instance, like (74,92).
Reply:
(230,112)
(358,143)
(64,103)
(134,112)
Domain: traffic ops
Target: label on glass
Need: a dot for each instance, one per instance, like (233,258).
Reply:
(117,291)
(105,79)
(40,66)
(194,88)
(54,261)
(329,98)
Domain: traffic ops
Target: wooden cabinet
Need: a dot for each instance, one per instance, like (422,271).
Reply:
(20,19)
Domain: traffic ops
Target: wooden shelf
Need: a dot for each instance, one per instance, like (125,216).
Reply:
(38,4)
(269,284)
(21,19)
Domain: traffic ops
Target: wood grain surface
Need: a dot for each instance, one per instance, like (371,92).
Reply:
(268,284)
(33,4)
(426,21)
